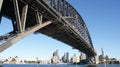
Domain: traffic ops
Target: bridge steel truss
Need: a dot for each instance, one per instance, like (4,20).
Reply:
(54,18)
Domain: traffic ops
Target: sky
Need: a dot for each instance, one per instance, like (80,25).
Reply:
(102,18)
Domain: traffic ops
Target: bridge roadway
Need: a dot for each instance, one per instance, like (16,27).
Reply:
(66,24)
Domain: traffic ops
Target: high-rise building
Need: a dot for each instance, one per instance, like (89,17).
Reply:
(67,57)
(102,53)
(102,56)
(64,58)
(73,59)
(55,59)
(83,56)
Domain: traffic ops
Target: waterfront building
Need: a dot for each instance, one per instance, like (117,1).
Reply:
(102,57)
(13,61)
(73,59)
(56,53)
(102,53)
(83,56)
(65,58)
(106,57)
(55,59)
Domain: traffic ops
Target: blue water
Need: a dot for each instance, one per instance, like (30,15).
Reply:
(35,65)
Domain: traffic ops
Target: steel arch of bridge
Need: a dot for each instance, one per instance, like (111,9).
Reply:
(72,16)
(26,15)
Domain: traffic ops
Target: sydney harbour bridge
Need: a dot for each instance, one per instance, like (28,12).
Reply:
(54,18)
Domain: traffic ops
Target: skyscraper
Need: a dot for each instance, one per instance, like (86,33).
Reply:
(67,57)
(55,59)
(102,53)
(102,56)
(57,53)
(64,58)
(73,59)
(83,56)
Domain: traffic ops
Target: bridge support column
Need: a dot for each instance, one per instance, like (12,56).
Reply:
(23,17)
(17,15)
(1,2)
(21,21)
(38,18)
(22,35)
(0,18)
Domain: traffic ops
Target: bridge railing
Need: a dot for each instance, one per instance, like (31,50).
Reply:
(64,9)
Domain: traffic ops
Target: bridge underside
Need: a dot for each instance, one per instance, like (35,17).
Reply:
(66,35)
(59,29)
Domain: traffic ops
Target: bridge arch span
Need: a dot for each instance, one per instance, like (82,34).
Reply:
(54,18)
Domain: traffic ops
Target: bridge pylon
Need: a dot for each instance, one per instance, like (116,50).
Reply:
(93,59)
(85,59)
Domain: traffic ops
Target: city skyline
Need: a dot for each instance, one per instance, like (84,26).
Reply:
(101,18)
(55,59)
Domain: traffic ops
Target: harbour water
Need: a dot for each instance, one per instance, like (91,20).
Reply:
(39,65)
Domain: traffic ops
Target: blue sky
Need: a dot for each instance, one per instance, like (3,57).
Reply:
(102,18)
